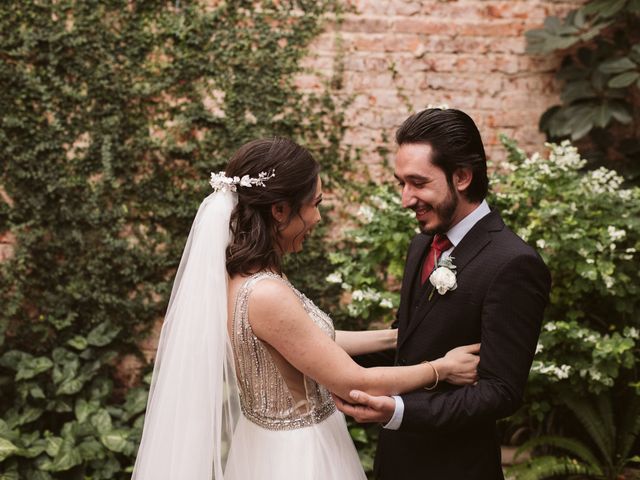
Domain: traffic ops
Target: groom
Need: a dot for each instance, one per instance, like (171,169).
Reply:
(502,289)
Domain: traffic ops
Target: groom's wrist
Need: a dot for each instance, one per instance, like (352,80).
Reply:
(396,419)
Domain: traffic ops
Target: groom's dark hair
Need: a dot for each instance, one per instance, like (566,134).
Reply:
(455,141)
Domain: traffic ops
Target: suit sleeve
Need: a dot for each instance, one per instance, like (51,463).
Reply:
(384,358)
(510,325)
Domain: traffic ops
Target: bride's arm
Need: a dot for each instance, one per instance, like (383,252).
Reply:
(367,341)
(278,318)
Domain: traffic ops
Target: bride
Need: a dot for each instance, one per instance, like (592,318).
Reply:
(246,364)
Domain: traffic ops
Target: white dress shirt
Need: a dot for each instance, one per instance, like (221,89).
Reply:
(455,236)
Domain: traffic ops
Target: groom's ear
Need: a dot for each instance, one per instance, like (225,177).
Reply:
(462,178)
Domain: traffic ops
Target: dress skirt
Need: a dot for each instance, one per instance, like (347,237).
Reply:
(322,451)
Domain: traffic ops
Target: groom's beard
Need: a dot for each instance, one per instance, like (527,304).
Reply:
(444,211)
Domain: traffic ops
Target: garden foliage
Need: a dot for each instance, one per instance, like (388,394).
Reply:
(600,72)
(114,113)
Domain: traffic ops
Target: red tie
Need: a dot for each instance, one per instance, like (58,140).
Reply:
(439,244)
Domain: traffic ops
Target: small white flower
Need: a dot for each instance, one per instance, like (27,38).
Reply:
(335,277)
(245,181)
(562,371)
(357,295)
(366,213)
(539,348)
(609,281)
(615,234)
(541,243)
(386,303)
(632,332)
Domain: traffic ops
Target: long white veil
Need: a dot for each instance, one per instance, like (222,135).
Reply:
(193,402)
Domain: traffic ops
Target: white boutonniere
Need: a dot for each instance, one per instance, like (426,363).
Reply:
(443,277)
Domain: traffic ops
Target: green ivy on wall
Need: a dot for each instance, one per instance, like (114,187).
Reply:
(113,114)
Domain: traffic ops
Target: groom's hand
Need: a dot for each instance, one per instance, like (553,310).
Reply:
(366,408)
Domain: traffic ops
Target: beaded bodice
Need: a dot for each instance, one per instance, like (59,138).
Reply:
(267,398)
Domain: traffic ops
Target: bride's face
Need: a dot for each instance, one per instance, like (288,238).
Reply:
(299,225)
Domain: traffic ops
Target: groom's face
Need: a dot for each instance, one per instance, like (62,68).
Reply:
(425,189)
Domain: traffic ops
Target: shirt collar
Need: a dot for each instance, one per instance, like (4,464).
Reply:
(460,229)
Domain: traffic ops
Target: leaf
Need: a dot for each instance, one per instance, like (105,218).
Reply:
(623,80)
(12,359)
(548,466)
(53,445)
(620,112)
(578,18)
(617,65)
(30,367)
(68,457)
(101,421)
(78,342)
(581,124)
(33,451)
(592,423)
(115,440)
(135,403)
(70,386)
(629,430)
(83,409)
(91,449)
(634,54)
(40,475)
(358,434)
(611,8)
(603,115)
(10,471)
(579,90)
(103,334)
(552,24)
(7,449)
(36,392)
(28,415)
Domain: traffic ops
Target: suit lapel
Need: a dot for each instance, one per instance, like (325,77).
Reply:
(471,245)
(412,267)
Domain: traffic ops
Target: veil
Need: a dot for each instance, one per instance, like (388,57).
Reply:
(193,403)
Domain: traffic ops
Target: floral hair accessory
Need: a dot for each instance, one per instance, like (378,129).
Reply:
(221,183)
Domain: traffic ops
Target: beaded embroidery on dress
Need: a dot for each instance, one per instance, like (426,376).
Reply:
(282,435)
(265,397)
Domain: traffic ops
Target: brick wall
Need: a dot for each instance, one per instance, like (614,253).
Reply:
(399,56)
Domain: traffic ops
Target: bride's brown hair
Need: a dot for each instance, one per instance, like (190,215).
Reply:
(255,232)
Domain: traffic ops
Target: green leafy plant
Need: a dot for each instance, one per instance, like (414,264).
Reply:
(370,261)
(600,72)
(604,456)
(114,113)
(585,224)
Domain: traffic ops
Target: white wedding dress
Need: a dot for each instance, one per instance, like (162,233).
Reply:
(290,428)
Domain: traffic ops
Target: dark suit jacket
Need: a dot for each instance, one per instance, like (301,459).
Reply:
(503,287)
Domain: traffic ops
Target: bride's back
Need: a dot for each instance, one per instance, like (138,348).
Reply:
(273,393)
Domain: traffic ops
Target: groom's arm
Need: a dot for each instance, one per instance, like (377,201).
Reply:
(511,319)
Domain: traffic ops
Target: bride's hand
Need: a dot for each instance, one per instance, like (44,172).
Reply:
(462,365)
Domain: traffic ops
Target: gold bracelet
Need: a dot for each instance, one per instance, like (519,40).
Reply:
(435,370)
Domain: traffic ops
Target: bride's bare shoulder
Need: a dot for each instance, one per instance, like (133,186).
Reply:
(270,293)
